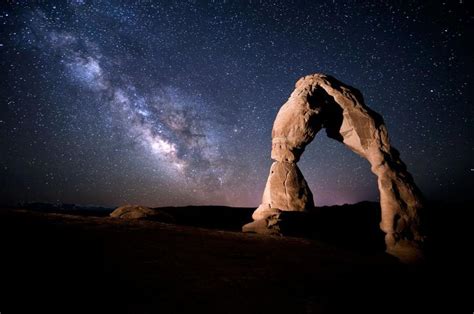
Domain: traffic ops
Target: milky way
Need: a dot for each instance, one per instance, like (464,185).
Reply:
(163,121)
(163,103)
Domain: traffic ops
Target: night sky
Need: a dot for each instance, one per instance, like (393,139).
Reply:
(163,103)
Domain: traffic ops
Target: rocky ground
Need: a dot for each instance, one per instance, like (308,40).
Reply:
(64,263)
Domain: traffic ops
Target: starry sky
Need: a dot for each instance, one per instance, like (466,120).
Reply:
(172,103)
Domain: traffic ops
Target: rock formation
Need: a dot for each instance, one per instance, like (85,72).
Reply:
(320,101)
(132,212)
(141,212)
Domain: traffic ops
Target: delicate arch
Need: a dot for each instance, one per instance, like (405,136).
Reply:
(320,101)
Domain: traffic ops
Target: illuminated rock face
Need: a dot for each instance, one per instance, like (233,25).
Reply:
(132,212)
(320,101)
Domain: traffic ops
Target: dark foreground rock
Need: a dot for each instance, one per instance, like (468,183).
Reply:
(57,263)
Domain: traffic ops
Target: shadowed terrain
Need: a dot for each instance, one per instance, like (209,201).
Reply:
(60,262)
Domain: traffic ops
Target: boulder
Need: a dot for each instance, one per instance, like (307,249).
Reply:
(141,212)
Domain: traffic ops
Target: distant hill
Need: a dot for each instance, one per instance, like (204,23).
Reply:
(65,208)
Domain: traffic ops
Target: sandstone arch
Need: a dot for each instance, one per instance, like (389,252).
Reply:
(320,101)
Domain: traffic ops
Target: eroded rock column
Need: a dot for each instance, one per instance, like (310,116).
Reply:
(286,190)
